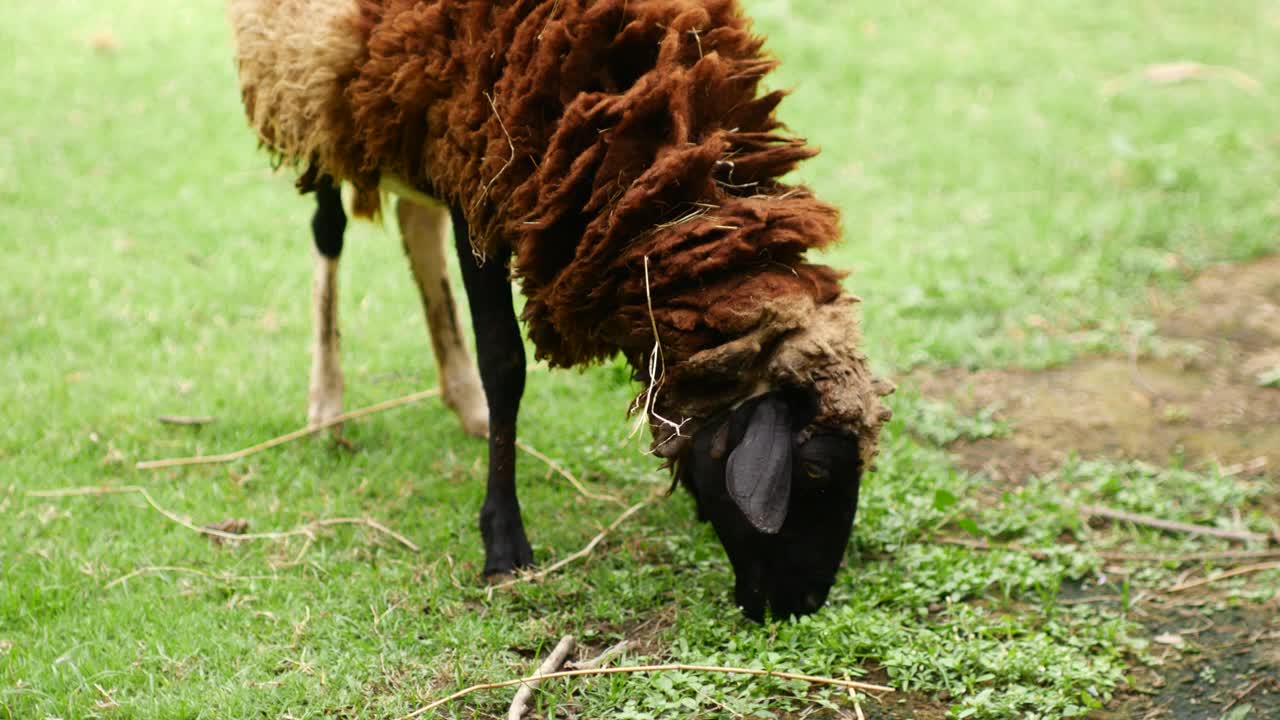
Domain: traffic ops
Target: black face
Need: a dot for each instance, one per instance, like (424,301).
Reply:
(782,504)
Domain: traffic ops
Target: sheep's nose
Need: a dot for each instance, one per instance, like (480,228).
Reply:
(811,602)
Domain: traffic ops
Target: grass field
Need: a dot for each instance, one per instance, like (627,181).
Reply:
(1018,194)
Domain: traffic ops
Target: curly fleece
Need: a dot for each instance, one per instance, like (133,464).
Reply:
(584,137)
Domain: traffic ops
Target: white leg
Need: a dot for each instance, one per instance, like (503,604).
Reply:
(425,229)
(325,392)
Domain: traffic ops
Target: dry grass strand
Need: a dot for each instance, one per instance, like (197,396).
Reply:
(154,569)
(575,482)
(306,530)
(1173,526)
(1246,570)
(811,679)
(353,415)
(295,435)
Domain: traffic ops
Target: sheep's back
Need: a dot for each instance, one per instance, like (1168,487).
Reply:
(589,138)
(585,136)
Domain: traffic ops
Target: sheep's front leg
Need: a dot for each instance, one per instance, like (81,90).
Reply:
(425,228)
(501,357)
(324,397)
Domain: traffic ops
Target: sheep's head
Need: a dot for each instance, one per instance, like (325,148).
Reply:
(782,501)
(777,474)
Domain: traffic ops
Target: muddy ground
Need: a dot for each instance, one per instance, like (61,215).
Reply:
(1196,393)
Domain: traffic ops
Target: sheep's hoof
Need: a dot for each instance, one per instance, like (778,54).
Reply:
(506,547)
(466,399)
(476,423)
(508,561)
(315,418)
(323,407)
(324,403)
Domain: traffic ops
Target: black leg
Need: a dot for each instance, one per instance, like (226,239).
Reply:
(500,352)
(329,220)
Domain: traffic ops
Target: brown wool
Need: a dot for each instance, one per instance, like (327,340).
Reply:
(581,137)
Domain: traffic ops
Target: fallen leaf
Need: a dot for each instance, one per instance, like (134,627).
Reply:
(104,41)
(234,526)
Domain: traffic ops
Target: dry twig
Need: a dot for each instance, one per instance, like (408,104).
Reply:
(185,420)
(1193,557)
(1169,73)
(657,374)
(591,546)
(355,414)
(1173,526)
(171,568)
(554,661)
(1247,692)
(307,530)
(984,545)
(575,482)
(857,705)
(309,430)
(1089,600)
(1260,567)
(811,679)
(1255,465)
(1039,554)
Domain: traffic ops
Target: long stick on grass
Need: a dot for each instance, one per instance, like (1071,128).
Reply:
(1224,555)
(353,415)
(1042,554)
(985,546)
(296,434)
(1260,567)
(811,679)
(307,530)
(1174,526)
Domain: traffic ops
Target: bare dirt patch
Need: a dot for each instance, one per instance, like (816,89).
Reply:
(1205,404)
(903,707)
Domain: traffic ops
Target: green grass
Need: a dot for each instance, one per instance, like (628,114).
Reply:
(999,209)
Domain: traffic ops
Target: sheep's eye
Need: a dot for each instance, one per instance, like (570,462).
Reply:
(814,470)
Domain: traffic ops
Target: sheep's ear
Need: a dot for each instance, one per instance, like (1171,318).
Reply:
(758,473)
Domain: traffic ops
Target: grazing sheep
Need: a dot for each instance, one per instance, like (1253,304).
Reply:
(620,155)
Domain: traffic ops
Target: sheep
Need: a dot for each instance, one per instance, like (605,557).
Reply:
(619,160)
